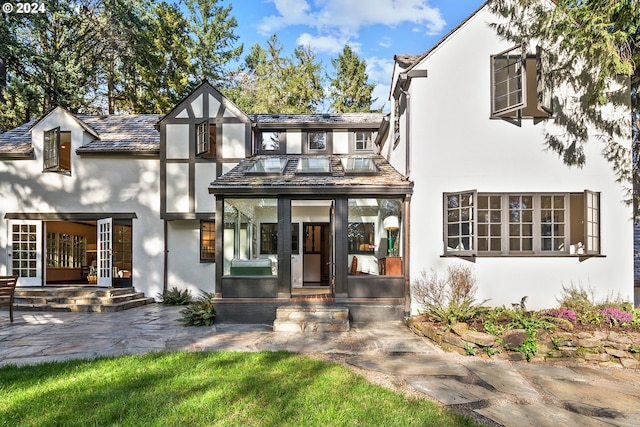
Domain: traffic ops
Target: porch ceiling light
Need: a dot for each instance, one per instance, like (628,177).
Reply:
(391,223)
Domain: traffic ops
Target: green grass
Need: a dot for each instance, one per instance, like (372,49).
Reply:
(212,389)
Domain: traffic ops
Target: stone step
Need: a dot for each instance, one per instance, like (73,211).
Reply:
(86,308)
(311,319)
(79,299)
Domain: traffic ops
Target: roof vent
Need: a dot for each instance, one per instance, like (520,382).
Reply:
(275,116)
(326,116)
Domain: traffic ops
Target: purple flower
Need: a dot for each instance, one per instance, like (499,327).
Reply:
(615,316)
(561,313)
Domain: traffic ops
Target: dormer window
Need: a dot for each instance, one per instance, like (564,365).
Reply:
(517,87)
(57,151)
(206,140)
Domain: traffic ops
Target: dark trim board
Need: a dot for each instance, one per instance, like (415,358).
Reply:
(249,287)
(69,216)
(263,311)
(375,287)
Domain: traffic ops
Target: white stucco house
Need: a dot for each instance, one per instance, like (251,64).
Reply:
(486,191)
(266,210)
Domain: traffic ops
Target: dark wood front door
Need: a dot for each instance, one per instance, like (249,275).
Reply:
(316,266)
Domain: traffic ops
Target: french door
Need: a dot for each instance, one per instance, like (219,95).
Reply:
(25,251)
(105,243)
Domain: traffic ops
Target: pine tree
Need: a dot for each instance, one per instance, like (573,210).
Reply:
(587,46)
(350,91)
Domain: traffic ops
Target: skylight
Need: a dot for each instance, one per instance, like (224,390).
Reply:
(314,165)
(359,165)
(273,165)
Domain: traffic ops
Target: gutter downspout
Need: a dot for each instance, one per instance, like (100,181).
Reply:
(407,166)
(165,271)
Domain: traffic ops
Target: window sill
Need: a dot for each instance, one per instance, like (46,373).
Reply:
(472,257)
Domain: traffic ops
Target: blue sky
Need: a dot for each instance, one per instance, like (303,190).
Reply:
(375,29)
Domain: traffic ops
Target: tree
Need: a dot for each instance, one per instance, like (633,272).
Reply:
(588,45)
(212,30)
(271,83)
(51,58)
(349,91)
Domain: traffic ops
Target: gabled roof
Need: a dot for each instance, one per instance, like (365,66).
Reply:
(446,37)
(239,181)
(132,134)
(87,128)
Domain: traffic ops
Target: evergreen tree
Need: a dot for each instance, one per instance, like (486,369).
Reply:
(350,91)
(587,46)
(212,30)
(271,83)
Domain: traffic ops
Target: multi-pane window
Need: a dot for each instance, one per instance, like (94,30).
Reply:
(508,81)
(364,141)
(459,221)
(518,85)
(206,140)
(57,150)
(65,250)
(522,224)
(207,241)
(317,140)
(489,223)
(552,222)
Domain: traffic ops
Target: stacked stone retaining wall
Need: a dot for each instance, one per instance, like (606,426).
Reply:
(606,348)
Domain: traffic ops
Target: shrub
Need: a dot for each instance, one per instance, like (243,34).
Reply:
(450,299)
(175,296)
(200,312)
(561,313)
(614,316)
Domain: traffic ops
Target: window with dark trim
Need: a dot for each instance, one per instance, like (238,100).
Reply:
(364,140)
(57,150)
(206,140)
(317,140)
(272,141)
(517,85)
(269,238)
(495,224)
(207,241)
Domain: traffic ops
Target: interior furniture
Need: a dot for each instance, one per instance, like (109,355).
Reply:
(391,266)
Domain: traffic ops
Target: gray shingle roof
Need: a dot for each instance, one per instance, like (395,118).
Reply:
(387,179)
(17,141)
(117,133)
(123,133)
(334,118)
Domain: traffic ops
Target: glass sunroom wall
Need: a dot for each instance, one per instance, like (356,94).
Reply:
(242,227)
(368,240)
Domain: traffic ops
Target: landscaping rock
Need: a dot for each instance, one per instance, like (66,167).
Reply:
(630,363)
(514,338)
(460,328)
(616,353)
(480,338)
(589,342)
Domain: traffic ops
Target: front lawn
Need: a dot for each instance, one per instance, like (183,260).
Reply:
(219,388)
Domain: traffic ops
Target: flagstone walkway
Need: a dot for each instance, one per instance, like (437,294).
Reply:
(493,392)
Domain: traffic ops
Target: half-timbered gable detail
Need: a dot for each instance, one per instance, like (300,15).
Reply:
(201,138)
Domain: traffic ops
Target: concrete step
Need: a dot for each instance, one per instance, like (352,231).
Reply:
(311,319)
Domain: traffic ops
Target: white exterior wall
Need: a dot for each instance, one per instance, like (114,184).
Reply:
(184,269)
(456,147)
(96,184)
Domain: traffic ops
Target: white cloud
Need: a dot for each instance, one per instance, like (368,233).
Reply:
(348,16)
(379,70)
(329,44)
